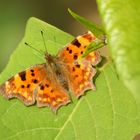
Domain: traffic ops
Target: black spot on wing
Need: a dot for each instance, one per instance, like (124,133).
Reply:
(35,81)
(28,86)
(75,76)
(22,86)
(47,85)
(70,51)
(76,43)
(32,74)
(22,75)
(42,87)
(73,69)
(67,48)
(78,66)
(32,70)
(75,56)
(52,91)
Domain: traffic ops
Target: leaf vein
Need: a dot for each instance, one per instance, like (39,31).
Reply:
(112,104)
(30,130)
(69,118)
(93,118)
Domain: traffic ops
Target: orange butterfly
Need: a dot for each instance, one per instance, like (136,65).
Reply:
(49,83)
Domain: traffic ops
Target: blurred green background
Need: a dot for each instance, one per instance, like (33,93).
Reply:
(14,15)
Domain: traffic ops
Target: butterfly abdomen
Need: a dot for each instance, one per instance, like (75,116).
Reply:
(58,68)
(61,77)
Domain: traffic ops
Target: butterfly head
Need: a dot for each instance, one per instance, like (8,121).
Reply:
(49,58)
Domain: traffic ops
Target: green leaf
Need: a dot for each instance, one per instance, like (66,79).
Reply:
(96,44)
(110,112)
(122,23)
(97,31)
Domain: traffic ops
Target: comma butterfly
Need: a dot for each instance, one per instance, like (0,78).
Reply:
(49,83)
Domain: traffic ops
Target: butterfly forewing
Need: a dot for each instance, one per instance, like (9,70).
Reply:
(23,84)
(74,50)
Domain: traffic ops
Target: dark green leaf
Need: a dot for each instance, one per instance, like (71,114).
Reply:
(97,31)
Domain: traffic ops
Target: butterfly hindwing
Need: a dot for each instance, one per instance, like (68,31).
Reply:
(81,74)
(23,84)
(94,58)
(51,94)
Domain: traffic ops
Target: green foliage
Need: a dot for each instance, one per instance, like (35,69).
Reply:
(89,25)
(122,23)
(110,112)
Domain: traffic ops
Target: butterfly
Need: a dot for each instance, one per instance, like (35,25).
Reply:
(49,83)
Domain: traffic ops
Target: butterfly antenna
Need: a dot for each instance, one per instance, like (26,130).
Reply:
(44,42)
(34,48)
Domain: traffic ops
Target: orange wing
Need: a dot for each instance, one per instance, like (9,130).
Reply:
(80,69)
(77,47)
(51,94)
(33,84)
(80,75)
(23,84)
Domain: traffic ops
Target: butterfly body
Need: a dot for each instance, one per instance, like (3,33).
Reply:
(49,83)
(57,70)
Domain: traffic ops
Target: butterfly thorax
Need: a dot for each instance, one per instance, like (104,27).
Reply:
(57,70)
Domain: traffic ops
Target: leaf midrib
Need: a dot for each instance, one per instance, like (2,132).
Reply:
(69,118)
